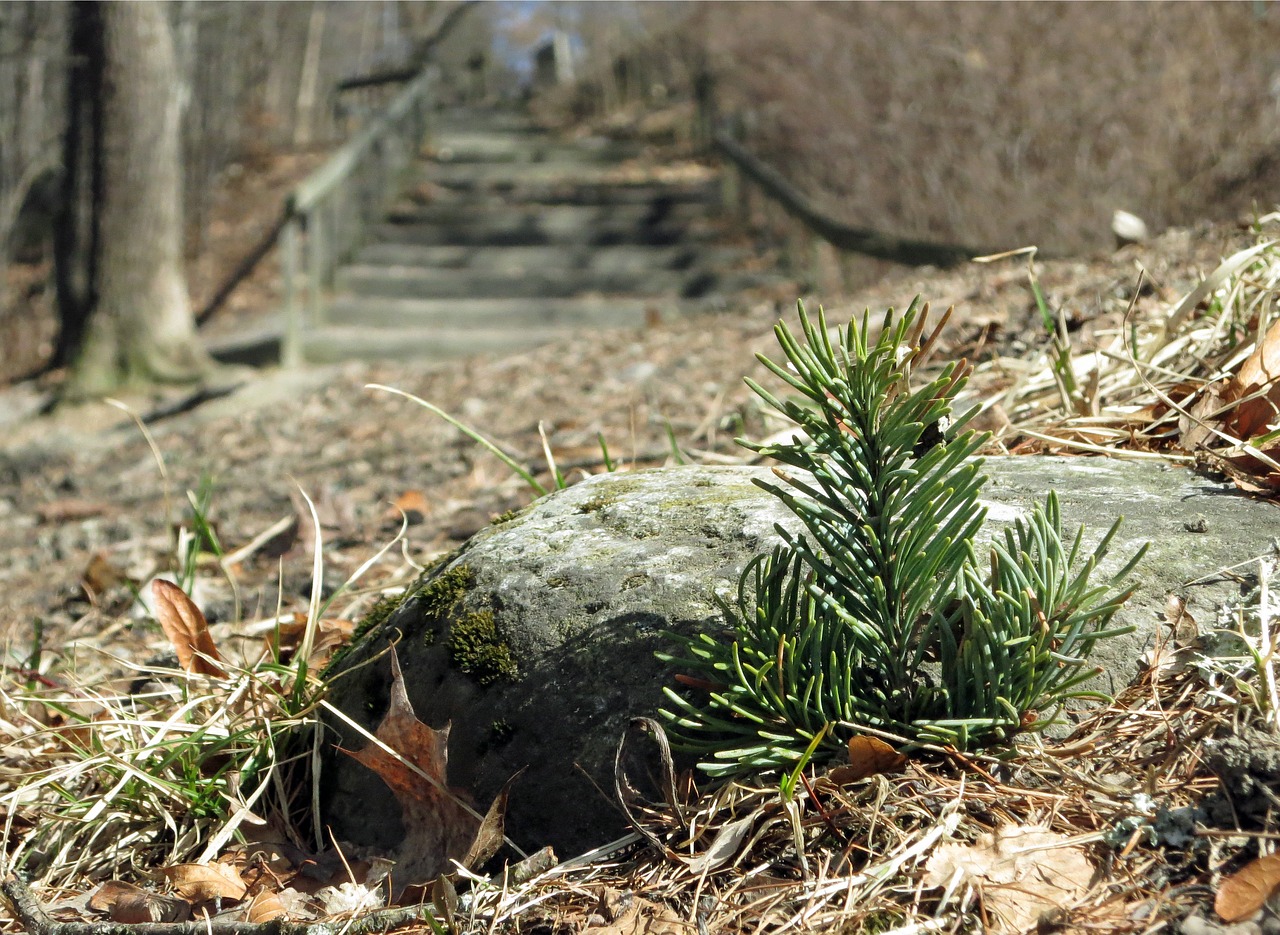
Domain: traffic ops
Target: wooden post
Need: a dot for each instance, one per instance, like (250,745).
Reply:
(813,253)
(317,263)
(844,265)
(291,343)
(730,196)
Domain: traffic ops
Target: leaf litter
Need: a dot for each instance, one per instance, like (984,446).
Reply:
(1124,794)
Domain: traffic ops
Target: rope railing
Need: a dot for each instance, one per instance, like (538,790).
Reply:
(620,79)
(844,237)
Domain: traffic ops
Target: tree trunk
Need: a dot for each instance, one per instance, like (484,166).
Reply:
(75,228)
(141,330)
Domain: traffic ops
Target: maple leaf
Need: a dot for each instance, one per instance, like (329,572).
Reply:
(440,823)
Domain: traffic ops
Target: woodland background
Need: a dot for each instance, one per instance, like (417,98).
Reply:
(980,123)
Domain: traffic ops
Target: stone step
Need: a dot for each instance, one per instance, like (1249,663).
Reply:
(535,232)
(512,236)
(426,283)
(705,194)
(332,344)
(518,260)
(513,174)
(569,190)
(495,121)
(477,219)
(462,147)
(497,313)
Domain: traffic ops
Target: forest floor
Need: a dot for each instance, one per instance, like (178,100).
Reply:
(90,502)
(82,485)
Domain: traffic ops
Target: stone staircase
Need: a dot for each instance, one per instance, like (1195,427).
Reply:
(508,237)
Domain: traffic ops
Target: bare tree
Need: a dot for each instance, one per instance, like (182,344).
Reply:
(140,329)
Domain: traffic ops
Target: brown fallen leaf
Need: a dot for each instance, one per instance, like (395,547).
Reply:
(101,575)
(186,628)
(1196,424)
(1182,626)
(1257,377)
(264,907)
(440,824)
(1021,873)
(204,882)
(411,506)
(635,915)
(492,830)
(69,509)
(1243,893)
(330,634)
(868,756)
(129,904)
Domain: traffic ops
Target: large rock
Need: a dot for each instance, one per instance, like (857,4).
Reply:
(537,638)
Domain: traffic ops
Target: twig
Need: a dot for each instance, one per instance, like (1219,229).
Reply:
(36,921)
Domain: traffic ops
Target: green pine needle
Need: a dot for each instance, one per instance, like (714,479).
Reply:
(883,615)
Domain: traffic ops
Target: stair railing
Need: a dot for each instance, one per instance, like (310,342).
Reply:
(744,167)
(328,215)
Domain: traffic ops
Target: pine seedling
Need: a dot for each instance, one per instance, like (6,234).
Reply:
(883,616)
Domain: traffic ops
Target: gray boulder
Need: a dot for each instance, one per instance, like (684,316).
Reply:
(537,639)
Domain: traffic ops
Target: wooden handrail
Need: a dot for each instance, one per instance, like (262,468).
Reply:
(328,213)
(839,234)
(320,183)
(421,55)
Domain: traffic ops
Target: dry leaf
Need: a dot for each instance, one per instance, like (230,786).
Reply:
(492,831)
(264,907)
(639,916)
(101,575)
(186,628)
(411,505)
(129,904)
(868,756)
(204,882)
(444,896)
(1244,892)
(330,634)
(440,825)
(1020,872)
(1258,375)
(1196,425)
(723,846)
(69,509)
(105,896)
(1182,626)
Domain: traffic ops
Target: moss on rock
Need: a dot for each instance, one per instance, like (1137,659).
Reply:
(478,650)
(444,593)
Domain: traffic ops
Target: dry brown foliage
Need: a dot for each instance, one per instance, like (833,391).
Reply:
(988,123)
